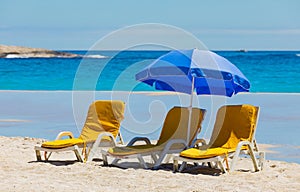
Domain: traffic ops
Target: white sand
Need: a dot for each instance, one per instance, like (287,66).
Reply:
(20,172)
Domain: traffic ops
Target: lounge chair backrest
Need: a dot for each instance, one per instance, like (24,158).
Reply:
(103,116)
(234,123)
(176,124)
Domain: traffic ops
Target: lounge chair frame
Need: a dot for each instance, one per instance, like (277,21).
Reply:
(157,155)
(91,147)
(257,157)
(83,152)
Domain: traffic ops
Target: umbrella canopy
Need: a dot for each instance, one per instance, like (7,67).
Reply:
(189,70)
(202,70)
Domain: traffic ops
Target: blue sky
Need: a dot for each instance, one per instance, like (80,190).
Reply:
(219,24)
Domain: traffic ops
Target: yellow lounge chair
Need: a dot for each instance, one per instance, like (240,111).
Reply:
(173,138)
(234,131)
(100,129)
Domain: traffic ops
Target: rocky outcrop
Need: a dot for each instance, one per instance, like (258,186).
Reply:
(26,52)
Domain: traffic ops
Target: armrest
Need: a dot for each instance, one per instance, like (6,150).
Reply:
(243,143)
(103,135)
(100,142)
(64,133)
(175,141)
(134,140)
(251,153)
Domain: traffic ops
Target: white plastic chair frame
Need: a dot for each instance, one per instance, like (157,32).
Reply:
(252,151)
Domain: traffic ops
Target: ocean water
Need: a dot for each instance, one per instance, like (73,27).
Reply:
(268,71)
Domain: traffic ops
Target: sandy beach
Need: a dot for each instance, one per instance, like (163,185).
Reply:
(20,172)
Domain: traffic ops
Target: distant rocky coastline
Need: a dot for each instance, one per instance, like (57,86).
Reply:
(26,52)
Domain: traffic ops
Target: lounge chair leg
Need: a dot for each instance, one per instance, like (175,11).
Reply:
(235,158)
(142,162)
(252,155)
(154,158)
(261,160)
(38,155)
(104,158)
(49,156)
(175,165)
(78,156)
(182,166)
(159,161)
(89,155)
(223,169)
(168,157)
(115,161)
(45,155)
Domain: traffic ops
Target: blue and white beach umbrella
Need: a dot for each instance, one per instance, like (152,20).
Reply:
(189,71)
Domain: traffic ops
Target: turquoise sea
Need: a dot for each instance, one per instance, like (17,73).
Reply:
(268,71)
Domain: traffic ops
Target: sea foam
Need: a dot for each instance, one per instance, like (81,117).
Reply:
(21,56)
(14,56)
(95,56)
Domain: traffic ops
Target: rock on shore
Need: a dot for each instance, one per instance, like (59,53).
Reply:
(26,52)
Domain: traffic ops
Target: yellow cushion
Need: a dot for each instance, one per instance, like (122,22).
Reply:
(176,123)
(174,127)
(234,123)
(131,150)
(202,154)
(103,116)
(58,144)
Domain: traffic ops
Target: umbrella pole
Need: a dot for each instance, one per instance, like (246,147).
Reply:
(190,111)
